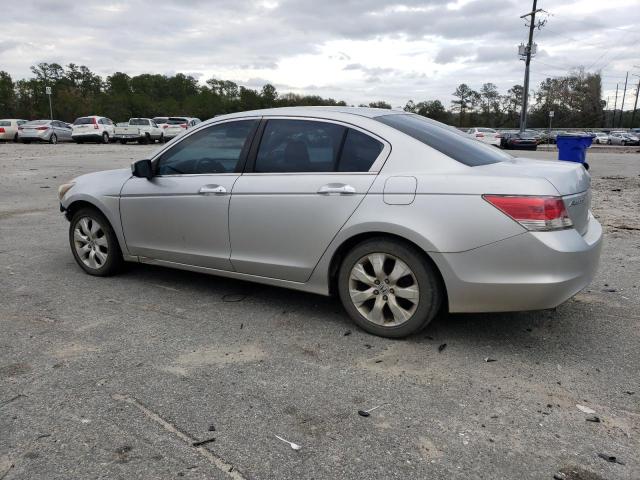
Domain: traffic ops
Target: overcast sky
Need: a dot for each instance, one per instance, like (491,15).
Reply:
(353,50)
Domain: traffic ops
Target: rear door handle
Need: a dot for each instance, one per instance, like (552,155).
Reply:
(212,190)
(336,189)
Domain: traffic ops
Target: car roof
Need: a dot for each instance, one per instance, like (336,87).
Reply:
(315,112)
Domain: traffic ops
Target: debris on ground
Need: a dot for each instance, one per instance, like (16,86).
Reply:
(203,442)
(593,419)
(610,458)
(366,413)
(560,476)
(587,410)
(233,297)
(295,446)
(442,347)
(609,290)
(212,428)
(489,359)
(629,392)
(347,333)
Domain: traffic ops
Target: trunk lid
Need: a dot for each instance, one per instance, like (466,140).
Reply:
(570,179)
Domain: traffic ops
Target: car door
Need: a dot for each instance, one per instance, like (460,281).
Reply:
(302,183)
(181,214)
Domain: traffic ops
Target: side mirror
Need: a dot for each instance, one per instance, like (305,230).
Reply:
(142,169)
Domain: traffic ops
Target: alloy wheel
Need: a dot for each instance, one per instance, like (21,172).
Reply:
(384,289)
(90,242)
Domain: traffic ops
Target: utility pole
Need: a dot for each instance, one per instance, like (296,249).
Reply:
(48,92)
(635,105)
(527,62)
(622,106)
(615,107)
(604,113)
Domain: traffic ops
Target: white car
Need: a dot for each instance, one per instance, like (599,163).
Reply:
(177,125)
(486,135)
(92,128)
(9,129)
(601,138)
(161,121)
(141,130)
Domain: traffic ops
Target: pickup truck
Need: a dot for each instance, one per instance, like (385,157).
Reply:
(141,130)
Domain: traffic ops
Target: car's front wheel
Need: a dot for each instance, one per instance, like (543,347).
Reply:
(105,137)
(389,288)
(94,243)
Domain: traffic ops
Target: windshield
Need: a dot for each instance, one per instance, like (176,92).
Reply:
(83,121)
(445,139)
(138,121)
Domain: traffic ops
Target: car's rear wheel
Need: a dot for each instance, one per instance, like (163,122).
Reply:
(94,243)
(105,137)
(15,138)
(389,288)
(53,139)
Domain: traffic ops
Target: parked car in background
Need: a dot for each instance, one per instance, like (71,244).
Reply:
(601,138)
(92,128)
(513,140)
(357,201)
(141,130)
(161,121)
(622,138)
(554,134)
(9,129)
(486,135)
(177,125)
(52,131)
(534,134)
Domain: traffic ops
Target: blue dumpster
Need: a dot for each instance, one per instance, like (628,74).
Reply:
(573,148)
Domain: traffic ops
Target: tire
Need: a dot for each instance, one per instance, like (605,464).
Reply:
(26,141)
(79,141)
(123,141)
(147,139)
(161,140)
(415,314)
(608,142)
(53,139)
(105,137)
(15,138)
(103,239)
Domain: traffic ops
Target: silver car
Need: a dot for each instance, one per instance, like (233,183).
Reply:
(52,131)
(398,215)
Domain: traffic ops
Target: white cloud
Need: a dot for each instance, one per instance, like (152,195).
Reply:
(356,51)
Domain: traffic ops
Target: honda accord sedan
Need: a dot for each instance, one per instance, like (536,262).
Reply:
(398,215)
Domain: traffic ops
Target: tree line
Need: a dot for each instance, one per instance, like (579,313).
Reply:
(77,91)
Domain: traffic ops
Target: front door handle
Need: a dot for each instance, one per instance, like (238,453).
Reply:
(212,190)
(336,188)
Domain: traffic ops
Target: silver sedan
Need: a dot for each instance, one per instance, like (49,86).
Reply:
(398,215)
(51,131)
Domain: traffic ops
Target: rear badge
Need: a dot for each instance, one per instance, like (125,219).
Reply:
(577,201)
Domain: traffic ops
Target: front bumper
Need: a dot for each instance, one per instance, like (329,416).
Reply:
(530,271)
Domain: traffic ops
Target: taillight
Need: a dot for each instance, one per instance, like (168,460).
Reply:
(165,126)
(498,135)
(42,128)
(533,213)
(183,125)
(1,130)
(20,128)
(479,135)
(95,124)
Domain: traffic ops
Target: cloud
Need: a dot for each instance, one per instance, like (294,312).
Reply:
(358,50)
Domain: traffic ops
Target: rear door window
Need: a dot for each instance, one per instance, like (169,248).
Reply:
(299,146)
(216,149)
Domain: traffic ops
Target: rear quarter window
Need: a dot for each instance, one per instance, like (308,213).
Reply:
(445,139)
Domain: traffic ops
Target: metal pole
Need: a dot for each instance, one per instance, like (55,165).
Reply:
(50,107)
(615,106)
(604,113)
(635,104)
(622,106)
(525,93)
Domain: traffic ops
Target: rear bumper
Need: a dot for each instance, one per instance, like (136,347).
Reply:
(531,271)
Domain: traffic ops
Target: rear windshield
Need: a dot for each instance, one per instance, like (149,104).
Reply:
(83,121)
(176,120)
(445,139)
(160,119)
(486,130)
(37,122)
(138,121)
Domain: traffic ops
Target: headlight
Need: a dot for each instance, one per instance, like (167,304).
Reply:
(64,188)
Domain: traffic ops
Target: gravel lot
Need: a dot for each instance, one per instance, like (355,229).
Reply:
(116,377)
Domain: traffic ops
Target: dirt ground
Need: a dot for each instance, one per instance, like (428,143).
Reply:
(118,377)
